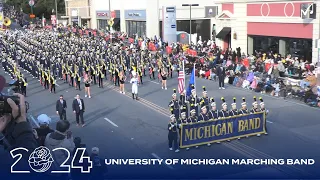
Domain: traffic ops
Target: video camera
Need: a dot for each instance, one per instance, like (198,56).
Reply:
(14,87)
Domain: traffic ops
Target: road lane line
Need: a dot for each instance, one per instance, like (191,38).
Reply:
(269,122)
(113,124)
(156,156)
(153,82)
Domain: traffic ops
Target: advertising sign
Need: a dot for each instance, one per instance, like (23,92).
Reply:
(169,24)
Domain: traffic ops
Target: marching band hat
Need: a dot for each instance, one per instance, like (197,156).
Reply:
(212,102)
(203,107)
(172,116)
(254,101)
(183,113)
(261,101)
(193,89)
(224,102)
(243,102)
(193,111)
(234,101)
(174,93)
(204,90)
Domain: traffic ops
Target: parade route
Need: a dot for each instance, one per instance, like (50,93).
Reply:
(125,128)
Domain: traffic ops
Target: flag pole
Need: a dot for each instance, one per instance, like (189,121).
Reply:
(194,74)
(184,74)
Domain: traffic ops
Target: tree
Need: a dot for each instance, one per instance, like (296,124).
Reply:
(41,7)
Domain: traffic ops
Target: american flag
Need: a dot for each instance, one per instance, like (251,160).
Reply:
(181,81)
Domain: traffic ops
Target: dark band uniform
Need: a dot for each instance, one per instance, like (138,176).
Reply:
(174,105)
(233,111)
(223,113)
(213,114)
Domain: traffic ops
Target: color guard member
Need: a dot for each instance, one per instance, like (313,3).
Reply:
(173,133)
(174,105)
(214,112)
(263,109)
(234,110)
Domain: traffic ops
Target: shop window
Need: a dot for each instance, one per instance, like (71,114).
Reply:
(266,44)
(301,48)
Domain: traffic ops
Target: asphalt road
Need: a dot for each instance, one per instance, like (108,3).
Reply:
(125,128)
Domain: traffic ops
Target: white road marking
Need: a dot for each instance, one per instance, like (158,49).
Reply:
(156,156)
(57,84)
(269,122)
(113,124)
(153,82)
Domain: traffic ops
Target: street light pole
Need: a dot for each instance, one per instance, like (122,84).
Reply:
(190,6)
(56,4)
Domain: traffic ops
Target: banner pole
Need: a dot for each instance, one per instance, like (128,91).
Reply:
(194,74)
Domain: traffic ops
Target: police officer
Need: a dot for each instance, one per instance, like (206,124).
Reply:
(174,105)
(204,101)
(193,100)
(173,134)
(214,112)
(263,109)
(234,111)
(224,113)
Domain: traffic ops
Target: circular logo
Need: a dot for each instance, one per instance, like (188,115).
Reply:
(289,11)
(265,9)
(182,36)
(40,160)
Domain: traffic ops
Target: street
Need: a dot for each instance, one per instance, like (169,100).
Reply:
(126,128)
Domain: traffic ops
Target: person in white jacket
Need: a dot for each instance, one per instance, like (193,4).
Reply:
(134,81)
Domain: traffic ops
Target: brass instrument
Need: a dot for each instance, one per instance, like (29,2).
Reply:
(7,22)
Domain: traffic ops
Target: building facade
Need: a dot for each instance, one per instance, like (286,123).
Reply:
(284,27)
(78,12)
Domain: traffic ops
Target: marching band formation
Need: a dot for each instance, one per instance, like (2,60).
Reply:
(64,55)
(208,112)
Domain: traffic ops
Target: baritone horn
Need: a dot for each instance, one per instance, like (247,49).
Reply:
(7,21)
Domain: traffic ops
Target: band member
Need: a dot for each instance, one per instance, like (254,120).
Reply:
(193,118)
(203,116)
(243,110)
(87,83)
(46,80)
(72,76)
(24,86)
(93,74)
(174,105)
(214,112)
(183,103)
(140,75)
(263,109)
(193,100)
(255,108)
(204,101)
(224,113)
(134,82)
(78,81)
(173,134)
(100,77)
(116,76)
(183,119)
(122,78)
(233,111)
(164,75)
(53,84)
(151,72)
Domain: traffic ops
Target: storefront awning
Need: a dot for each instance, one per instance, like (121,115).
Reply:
(222,34)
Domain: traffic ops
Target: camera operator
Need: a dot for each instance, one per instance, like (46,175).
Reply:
(16,130)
